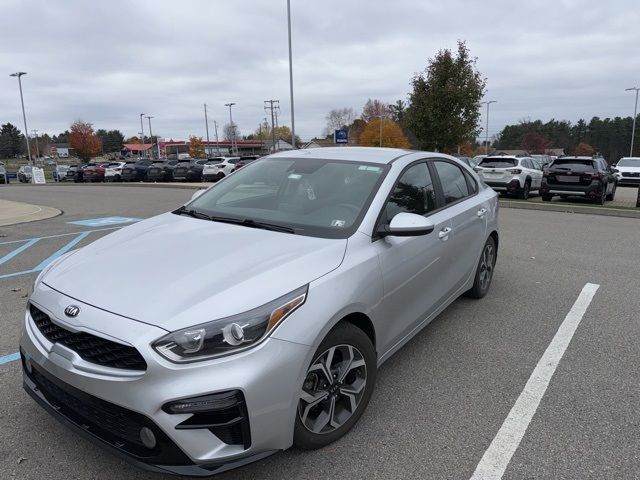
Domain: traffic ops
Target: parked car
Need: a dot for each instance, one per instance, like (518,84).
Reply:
(167,169)
(72,172)
(59,173)
(245,161)
(94,172)
(179,172)
(135,171)
(510,174)
(155,172)
(25,174)
(4,178)
(222,168)
(586,177)
(627,171)
(274,342)
(113,172)
(475,160)
(210,170)
(466,160)
(542,160)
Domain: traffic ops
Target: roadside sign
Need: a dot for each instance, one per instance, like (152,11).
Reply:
(38,175)
(341,136)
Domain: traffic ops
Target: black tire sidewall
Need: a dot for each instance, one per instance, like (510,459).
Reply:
(476,291)
(343,334)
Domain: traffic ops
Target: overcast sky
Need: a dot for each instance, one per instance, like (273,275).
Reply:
(107,61)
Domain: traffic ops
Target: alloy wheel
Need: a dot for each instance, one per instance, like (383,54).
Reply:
(333,388)
(486,266)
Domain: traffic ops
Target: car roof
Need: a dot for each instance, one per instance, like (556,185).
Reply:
(576,157)
(358,154)
(511,157)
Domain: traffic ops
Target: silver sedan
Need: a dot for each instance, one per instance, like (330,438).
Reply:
(254,318)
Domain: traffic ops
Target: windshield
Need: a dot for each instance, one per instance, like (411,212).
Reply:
(322,198)
(629,162)
(574,164)
(498,162)
(27,169)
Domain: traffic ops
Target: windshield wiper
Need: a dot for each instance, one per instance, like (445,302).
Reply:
(249,222)
(192,213)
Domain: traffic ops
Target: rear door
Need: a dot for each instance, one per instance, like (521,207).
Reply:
(467,213)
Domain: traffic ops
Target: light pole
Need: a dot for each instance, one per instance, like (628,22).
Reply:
(293,122)
(141,135)
(35,134)
(151,135)
(206,123)
(233,130)
(486,141)
(24,116)
(215,126)
(635,114)
(381,120)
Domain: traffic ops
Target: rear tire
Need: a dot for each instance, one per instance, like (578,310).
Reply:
(332,406)
(546,197)
(601,198)
(484,270)
(526,190)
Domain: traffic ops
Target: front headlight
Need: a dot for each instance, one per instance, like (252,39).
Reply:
(230,334)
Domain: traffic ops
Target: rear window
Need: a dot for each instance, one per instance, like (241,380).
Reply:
(573,164)
(498,162)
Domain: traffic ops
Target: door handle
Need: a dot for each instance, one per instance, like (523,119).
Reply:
(482,212)
(444,233)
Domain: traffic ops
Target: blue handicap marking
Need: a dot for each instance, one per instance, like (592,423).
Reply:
(101,222)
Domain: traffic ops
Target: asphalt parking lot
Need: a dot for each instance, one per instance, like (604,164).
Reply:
(441,401)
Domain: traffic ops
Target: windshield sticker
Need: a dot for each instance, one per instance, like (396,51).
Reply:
(295,176)
(370,169)
(338,223)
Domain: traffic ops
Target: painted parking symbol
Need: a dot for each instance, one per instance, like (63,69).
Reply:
(105,221)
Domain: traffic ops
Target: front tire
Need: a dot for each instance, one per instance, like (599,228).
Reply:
(337,387)
(484,270)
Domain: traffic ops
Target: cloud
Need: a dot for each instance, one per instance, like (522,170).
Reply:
(105,62)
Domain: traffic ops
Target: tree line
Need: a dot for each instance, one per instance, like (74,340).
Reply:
(610,137)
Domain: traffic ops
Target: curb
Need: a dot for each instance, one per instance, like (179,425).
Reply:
(564,208)
(43,213)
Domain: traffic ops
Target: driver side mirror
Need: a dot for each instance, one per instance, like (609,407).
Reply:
(407,225)
(196,194)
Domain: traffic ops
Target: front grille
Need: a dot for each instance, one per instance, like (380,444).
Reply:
(114,425)
(91,348)
(630,174)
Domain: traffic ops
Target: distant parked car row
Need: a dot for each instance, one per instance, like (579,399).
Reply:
(146,170)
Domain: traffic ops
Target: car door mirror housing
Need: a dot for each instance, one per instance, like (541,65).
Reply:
(196,194)
(407,225)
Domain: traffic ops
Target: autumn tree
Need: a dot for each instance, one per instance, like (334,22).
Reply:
(392,135)
(444,105)
(84,141)
(584,149)
(373,109)
(133,139)
(339,118)
(535,143)
(196,147)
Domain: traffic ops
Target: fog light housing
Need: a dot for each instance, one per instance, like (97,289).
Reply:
(205,403)
(148,438)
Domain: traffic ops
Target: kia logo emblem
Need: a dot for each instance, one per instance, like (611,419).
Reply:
(72,311)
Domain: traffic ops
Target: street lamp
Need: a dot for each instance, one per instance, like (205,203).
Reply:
(24,117)
(293,122)
(233,130)
(151,135)
(35,134)
(635,114)
(206,123)
(486,142)
(381,120)
(141,135)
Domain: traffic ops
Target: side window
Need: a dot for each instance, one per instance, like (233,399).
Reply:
(453,181)
(413,193)
(471,183)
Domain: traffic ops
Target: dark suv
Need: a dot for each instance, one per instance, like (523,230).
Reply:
(135,171)
(159,171)
(584,177)
(189,170)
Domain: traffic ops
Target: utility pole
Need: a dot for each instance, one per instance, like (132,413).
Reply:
(635,114)
(151,135)
(486,141)
(35,133)
(141,135)
(215,125)
(233,129)
(293,121)
(269,106)
(24,117)
(381,120)
(206,123)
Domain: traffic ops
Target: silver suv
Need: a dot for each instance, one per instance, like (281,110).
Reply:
(510,174)
(338,257)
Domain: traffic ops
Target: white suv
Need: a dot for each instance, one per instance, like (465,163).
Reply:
(510,174)
(113,171)
(627,171)
(219,167)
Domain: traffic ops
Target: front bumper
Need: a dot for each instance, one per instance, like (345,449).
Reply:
(269,377)
(628,181)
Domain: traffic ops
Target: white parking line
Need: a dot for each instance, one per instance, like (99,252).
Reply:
(495,460)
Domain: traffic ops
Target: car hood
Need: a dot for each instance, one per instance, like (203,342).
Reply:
(176,271)
(628,169)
